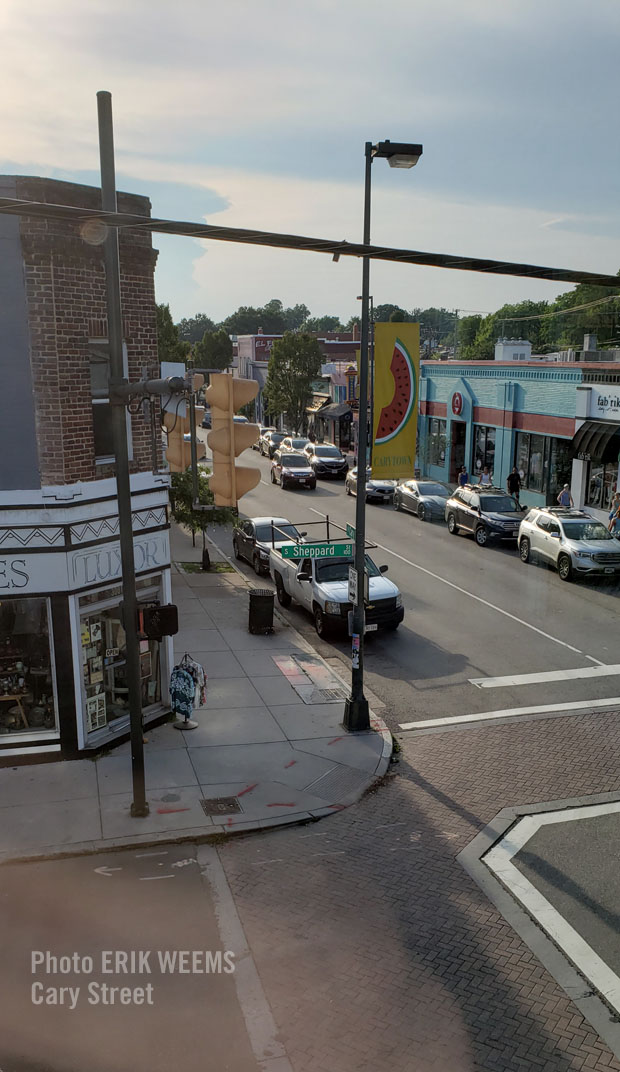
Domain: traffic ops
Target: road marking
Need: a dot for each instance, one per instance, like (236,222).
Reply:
(499,861)
(155,878)
(139,854)
(509,712)
(547,675)
(593,660)
(106,871)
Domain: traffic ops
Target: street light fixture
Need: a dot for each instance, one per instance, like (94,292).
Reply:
(356,714)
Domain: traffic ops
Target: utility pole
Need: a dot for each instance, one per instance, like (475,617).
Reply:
(456,332)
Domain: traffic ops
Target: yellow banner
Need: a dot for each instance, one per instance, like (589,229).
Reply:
(397,372)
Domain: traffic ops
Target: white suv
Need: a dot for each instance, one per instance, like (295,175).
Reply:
(573,541)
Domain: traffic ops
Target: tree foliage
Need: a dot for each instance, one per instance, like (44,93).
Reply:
(193,328)
(323,323)
(294,363)
(182,500)
(169,346)
(214,351)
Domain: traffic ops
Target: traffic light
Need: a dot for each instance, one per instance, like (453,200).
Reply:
(226,394)
(178,452)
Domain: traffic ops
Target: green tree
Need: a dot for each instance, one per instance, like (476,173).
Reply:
(192,329)
(323,323)
(294,363)
(296,316)
(214,350)
(387,312)
(182,502)
(169,346)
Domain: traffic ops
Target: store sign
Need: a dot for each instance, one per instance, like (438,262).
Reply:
(457,403)
(604,402)
(22,573)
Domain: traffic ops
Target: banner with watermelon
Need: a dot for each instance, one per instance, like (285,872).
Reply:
(397,371)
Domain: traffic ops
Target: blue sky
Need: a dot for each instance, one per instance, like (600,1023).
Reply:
(256,115)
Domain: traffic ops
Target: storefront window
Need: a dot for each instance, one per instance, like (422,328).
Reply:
(601,484)
(436,442)
(103,653)
(484,448)
(27,693)
(544,463)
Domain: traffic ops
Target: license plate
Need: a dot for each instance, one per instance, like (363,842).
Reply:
(303,480)
(609,569)
(372,628)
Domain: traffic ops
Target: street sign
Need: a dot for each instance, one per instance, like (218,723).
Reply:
(317,550)
(352,585)
(350,532)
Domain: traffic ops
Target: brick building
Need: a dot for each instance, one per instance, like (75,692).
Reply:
(62,679)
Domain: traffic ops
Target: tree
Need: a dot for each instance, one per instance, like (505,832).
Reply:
(384,313)
(169,346)
(296,316)
(214,350)
(193,329)
(182,500)
(323,323)
(294,363)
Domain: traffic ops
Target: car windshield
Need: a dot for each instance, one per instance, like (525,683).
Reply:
(339,570)
(280,532)
(434,489)
(294,461)
(498,504)
(327,452)
(298,443)
(276,437)
(586,530)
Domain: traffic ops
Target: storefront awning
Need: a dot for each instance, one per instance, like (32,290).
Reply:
(600,440)
(335,410)
(317,402)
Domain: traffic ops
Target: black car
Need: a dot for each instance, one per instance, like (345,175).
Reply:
(487,514)
(327,460)
(291,470)
(269,443)
(206,420)
(254,538)
(426,498)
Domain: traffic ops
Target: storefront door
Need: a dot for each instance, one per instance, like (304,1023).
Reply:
(457,448)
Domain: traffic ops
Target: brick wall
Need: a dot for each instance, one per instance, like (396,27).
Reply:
(65,288)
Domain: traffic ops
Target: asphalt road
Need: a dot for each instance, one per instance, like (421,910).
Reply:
(471,614)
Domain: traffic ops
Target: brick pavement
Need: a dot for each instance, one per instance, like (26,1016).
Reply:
(375,948)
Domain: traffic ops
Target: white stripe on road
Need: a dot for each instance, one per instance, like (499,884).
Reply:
(546,675)
(509,712)
(499,861)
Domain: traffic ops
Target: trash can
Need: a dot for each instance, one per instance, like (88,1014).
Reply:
(261,611)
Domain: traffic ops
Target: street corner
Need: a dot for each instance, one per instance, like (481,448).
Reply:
(553,870)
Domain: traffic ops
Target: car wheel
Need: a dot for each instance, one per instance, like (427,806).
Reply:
(273,479)
(482,536)
(236,549)
(421,512)
(283,597)
(348,489)
(320,624)
(258,569)
(565,569)
(453,528)
(396,503)
(281,481)
(524,549)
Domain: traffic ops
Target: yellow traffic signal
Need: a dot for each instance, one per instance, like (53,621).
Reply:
(226,394)
(201,449)
(178,453)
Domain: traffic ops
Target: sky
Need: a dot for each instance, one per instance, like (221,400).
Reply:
(249,114)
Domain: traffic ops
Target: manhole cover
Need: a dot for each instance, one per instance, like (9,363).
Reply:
(221,806)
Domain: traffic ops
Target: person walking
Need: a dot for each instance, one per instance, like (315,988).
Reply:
(614,504)
(513,483)
(565,498)
(463,477)
(485,477)
(614,524)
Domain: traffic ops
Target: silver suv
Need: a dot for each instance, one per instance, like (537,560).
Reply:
(573,541)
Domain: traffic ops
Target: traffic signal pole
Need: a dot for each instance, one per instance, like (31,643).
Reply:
(139,806)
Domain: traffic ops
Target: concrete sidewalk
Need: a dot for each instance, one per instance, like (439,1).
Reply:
(268,750)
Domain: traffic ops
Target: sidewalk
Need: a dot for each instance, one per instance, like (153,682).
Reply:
(269,748)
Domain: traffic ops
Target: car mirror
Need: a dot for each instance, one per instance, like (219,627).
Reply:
(303,533)
(383,569)
(556,535)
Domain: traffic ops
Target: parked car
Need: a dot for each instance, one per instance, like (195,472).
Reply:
(294,443)
(270,442)
(426,498)
(376,490)
(291,470)
(486,515)
(262,430)
(327,460)
(206,420)
(253,539)
(571,540)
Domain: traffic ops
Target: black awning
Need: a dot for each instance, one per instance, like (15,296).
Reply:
(334,410)
(600,440)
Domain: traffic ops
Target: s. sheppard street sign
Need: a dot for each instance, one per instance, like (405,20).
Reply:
(317,550)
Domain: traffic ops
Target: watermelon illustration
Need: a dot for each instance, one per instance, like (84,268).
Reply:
(395,415)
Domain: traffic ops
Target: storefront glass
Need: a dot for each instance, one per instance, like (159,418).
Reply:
(103,655)
(544,463)
(27,687)
(601,484)
(484,448)
(436,441)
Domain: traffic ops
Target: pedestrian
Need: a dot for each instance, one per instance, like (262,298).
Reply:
(565,498)
(614,524)
(513,483)
(486,477)
(614,504)
(463,477)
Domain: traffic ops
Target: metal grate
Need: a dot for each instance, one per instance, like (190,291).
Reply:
(221,806)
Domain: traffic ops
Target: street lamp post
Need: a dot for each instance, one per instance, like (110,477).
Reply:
(371,343)
(356,715)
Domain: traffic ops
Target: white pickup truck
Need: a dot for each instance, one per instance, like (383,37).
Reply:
(322,587)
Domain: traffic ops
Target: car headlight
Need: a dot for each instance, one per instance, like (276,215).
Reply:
(332,608)
(399,600)
(583,554)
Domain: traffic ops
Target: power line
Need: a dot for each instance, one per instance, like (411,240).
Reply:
(560,312)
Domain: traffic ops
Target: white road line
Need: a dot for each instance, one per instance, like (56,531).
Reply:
(499,861)
(547,675)
(139,854)
(155,878)
(509,712)
(593,660)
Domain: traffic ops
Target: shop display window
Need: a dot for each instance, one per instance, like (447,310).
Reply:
(601,484)
(27,692)
(103,656)
(484,448)
(436,441)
